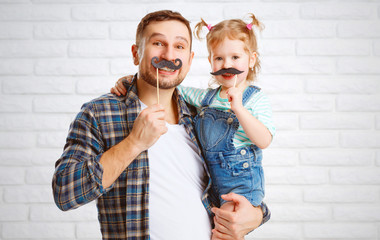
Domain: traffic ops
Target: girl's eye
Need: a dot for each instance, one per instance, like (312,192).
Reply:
(235,57)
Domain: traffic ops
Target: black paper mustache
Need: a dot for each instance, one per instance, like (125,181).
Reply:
(164,63)
(226,70)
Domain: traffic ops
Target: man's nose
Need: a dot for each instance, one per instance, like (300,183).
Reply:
(168,54)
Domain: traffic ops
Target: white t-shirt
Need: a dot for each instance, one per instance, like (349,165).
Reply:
(176,185)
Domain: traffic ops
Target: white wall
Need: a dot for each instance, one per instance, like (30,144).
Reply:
(321,70)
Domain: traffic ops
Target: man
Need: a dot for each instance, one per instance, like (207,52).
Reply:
(144,167)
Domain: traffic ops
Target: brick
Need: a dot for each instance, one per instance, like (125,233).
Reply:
(296,175)
(33,49)
(358,29)
(52,139)
(357,213)
(28,194)
(14,104)
(347,84)
(196,81)
(201,65)
(12,175)
(362,175)
(71,67)
(304,213)
(123,67)
(50,213)
(59,104)
(306,139)
(301,103)
(71,31)
(68,1)
(107,13)
(280,83)
(358,103)
(335,121)
(12,140)
(365,65)
(199,47)
(376,48)
(284,121)
(281,194)
(297,65)
(98,85)
(261,10)
(280,157)
(299,29)
(333,47)
(88,230)
(13,212)
(276,230)
(339,11)
(336,157)
(45,157)
(355,139)
(16,67)
(341,194)
(378,158)
(25,122)
(16,31)
(125,30)
(377,122)
(15,157)
(39,230)
(34,13)
(39,175)
(38,85)
(102,49)
(277,47)
(340,230)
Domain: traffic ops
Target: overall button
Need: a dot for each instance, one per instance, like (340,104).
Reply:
(243,152)
(245,165)
(230,120)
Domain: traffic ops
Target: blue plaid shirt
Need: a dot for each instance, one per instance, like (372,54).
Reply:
(123,207)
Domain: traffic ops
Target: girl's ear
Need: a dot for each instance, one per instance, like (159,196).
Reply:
(252,59)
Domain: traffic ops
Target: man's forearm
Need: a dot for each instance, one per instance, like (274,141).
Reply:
(117,159)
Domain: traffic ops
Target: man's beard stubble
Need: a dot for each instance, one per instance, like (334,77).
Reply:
(151,80)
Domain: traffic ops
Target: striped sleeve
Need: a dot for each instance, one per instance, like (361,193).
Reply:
(260,108)
(193,96)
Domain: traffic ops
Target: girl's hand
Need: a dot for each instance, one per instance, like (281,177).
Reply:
(119,88)
(235,96)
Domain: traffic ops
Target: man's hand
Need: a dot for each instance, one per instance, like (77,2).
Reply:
(148,127)
(236,224)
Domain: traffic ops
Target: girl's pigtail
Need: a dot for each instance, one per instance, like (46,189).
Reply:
(255,22)
(198,28)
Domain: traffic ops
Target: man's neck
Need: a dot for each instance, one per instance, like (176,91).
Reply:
(148,95)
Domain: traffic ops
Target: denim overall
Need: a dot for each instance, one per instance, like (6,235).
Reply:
(232,170)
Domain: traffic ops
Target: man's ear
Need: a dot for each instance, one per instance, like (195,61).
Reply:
(135,54)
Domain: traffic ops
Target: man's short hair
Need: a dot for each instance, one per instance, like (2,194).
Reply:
(159,16)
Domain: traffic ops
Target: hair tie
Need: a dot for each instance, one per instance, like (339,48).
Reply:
(249,26)
(209,27)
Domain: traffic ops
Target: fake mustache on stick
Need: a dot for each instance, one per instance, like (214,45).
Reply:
(164,63)
(226,70)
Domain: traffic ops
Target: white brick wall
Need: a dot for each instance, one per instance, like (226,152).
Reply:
(320,68)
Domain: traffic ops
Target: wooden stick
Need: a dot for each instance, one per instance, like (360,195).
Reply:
(235,80)
(158,88)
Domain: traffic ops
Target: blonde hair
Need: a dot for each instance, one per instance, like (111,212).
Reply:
(234,29)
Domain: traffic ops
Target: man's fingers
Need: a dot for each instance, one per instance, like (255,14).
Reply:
(216,235)
(220,227)
(223,214)
(233,197)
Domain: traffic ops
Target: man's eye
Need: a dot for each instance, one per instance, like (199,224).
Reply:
(180,47)
(218,58)
(158,44)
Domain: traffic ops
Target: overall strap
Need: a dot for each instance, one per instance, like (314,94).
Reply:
(249,92)
(209,97)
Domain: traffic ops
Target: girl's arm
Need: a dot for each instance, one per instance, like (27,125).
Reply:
(255,130)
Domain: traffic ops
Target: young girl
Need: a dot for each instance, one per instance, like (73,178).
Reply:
(234,121)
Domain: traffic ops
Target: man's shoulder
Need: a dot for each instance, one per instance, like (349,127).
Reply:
(105,102)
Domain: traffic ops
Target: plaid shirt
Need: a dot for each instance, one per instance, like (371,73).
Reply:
(123,207)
